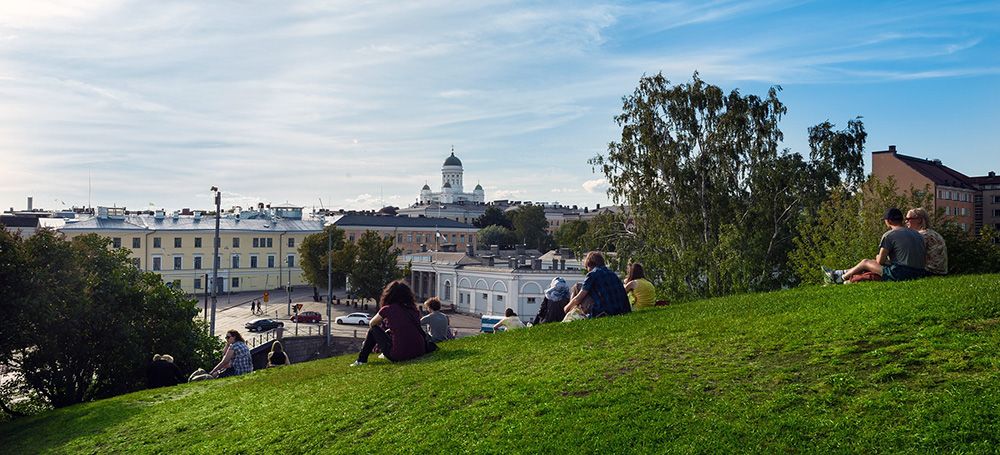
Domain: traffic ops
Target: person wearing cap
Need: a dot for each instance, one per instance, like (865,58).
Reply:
(556,297)
(901,254)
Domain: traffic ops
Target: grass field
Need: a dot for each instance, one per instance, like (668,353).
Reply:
(874,367)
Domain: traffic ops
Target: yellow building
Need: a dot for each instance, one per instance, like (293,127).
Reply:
(257,250)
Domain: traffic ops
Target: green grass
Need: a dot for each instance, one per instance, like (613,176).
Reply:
(873,367)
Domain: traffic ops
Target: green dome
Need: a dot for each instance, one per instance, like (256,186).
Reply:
(452,160)
(426,187)
(479,187)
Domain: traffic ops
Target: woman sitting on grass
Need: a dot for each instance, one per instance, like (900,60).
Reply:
(509,322)
(406,338)
(641,293)
(277,356)
(236,360)
(577,311)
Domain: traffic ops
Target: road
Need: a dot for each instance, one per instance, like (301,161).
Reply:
(233,312)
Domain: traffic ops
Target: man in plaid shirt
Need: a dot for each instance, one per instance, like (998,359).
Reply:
(604,287)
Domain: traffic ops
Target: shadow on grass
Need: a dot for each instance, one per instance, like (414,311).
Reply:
(82,420)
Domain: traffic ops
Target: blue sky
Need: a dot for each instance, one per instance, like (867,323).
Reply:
(357,102)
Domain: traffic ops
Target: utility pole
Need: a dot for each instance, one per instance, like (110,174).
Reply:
(288,288)
(215,256)
(205,314)
(329,281)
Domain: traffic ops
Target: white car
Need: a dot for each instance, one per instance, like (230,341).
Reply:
(354,318)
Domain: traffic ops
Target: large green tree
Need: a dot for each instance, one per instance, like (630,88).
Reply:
(530,227)
(712,201)
(93,320)
(493,216)
(375,265)
(314,253)
(496,235)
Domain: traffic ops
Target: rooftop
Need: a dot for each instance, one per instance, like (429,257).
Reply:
(399,222)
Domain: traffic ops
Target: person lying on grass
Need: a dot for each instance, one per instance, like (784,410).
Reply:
(900,254)
(405,339)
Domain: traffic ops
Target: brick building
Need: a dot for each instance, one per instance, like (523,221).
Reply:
(972,202)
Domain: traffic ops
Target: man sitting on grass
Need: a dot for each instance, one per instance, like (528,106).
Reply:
(901,255)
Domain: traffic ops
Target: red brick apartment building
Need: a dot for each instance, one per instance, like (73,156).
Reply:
(971,201)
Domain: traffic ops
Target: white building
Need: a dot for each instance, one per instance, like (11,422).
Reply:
(490,284)
(452,189)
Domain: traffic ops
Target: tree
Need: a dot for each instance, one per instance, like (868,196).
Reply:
(493,216)
(313,251)
(530,227)
(712,202)
(375,265)
(496,235)
(569,234)
(95,321)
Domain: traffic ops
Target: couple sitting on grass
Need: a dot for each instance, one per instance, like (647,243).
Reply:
(905,252)
(396,329)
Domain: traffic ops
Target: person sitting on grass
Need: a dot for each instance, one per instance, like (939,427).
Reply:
(900,255)
(936,249)
(509,322)
(236,358)
(603,286)
(163,372)
(577,311)
(277,356)
(406,338)
(440,329)
(556,297)
(641,293)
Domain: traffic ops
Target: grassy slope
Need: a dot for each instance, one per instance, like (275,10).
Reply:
(886,367)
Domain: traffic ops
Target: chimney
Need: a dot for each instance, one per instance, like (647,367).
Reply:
(993,174)
(536,264)
(555,264)
(495,250)
(598,207)
(490,261)
(512,262)
(892,148)
(470,251)
(30,205)
(519,248)
(423,247)
(562,264)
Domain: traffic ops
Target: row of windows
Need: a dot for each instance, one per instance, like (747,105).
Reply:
(428,237)
(234,282)
(197,264)
(258,242)
(954,196)
(956,211)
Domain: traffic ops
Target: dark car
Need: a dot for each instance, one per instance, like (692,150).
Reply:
(307,316)
(263,324)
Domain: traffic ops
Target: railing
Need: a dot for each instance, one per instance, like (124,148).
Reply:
(262,338)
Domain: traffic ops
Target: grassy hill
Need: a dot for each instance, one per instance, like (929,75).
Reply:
(885,367)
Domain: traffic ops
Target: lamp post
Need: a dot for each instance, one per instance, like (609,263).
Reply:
(329,281)
(215,256)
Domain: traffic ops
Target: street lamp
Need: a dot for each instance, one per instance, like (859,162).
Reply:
(215,256)
(329,281)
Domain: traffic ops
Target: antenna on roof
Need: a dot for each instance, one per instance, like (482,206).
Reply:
(89,187)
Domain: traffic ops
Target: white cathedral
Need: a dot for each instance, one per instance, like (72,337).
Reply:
(451,186)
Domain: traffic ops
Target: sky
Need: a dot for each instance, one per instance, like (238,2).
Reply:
(356,104)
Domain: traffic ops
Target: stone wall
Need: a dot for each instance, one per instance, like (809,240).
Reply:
(304,349)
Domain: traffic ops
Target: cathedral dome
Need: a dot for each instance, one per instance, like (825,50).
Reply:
(452,160)
(426,187)
(479,187)
(447,185)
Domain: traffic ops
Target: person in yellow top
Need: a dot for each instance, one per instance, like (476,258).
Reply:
(641,293)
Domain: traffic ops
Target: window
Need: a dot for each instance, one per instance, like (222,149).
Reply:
(256,242)
(947,195)
(350,238)
(447,290)
(399,238)
(236,261)
(996,212)
(236,242)
(270,262)
(291,260)
(236,282)
(116,242)
(499,298)
(156,262)
(996,199)
(136,242)
(409,238)
(137,263)
(486,296)
(531,300)
(253,262)
(291,242)
(462,237)
(197,283)
(270,243)
(420,238)
(177,262)
(197,262)
(177,242)
(197,242)
(156,242)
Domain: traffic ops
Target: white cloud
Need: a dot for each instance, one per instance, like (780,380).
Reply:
(596,185)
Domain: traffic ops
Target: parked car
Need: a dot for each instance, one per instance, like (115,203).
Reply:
(354,318)
(263,324)
(307,316)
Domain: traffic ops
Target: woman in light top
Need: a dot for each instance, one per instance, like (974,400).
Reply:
(510,321)
(641,293)
(936,251)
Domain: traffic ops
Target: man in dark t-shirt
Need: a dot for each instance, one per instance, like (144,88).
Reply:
(901,254)
(604,287)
